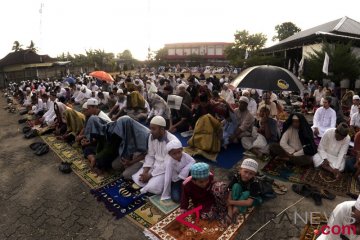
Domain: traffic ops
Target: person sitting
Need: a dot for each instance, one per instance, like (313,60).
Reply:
(37,106)
(181,118)
(244,189)
(111,101)
(103,98)
(297,144)
(240,123)
(227,94)
(355,106)
(159,107)
(136,106)
(181,91)
(92,107)
(119,108)
(151,176)
(332,150)
(324,118)
(346,215)
(49,116)
(265,132)
(308,103)
(178,164)
(83,95)
(355,122)
(27,98)
(201,109)
(252,106)
(198,189)
(266,101)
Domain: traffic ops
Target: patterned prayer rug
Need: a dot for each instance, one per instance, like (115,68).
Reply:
(325,180)
(170,229)
(79,165)
(146,216)
(119,197)
(312,231)
(278,169)
(166,206)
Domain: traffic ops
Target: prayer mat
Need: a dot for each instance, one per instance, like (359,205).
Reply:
(119,197)
(278,169)
(170,229)
(224,159)
(166,206)
(312,231)
(79,165)
(146,216)
(325,180)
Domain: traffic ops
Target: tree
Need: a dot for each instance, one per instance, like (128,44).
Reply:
(343,63)
(160,56)
(244,42)
(32,47)
(125,55)
(285,30)
(17,46)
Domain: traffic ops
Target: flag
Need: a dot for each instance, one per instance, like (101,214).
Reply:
(37,73)
(289,64)
(81,70)
(246,54)
(301,64)
(326,64)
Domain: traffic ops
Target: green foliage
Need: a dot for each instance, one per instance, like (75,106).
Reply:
(32,47)
(125,55)
(244,41)
(343,63)
(261,60)
(285,30)
(17,46)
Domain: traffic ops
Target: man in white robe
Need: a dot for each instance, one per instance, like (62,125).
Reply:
(252,106)
(355,107)
(355,120)
(332,149)
(49,116)
(324,118)
(152,175)
(178,164)
(227,94)
(83,95)
(346,215)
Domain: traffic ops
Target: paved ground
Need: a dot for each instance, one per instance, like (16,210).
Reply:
(38,202)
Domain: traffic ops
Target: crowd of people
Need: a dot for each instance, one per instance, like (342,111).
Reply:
(131,124)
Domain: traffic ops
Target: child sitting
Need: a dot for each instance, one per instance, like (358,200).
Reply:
(178,166)
(244,189)
(198,189)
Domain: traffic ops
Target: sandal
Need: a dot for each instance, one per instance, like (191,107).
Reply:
(302,189)
(277,187)
(30,134)
(326,194)
(317,198)
(42,150)
(65,167)
(34,146)
(26,129)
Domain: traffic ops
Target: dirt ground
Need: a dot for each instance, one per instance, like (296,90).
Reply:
(39,202)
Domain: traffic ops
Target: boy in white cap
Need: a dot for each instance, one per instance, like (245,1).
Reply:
(345,216)
(151,176)
(92,109)
(178,164)
(244,189)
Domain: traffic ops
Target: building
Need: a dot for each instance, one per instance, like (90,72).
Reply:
(27,64)
(302,44)
(210,53)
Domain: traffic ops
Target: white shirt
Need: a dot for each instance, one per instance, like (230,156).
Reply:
(39,106)
(318,95)
(228,96)
(104,117)
(252,106)
(354,109)
(155,157)
(121,104)
(355,120)
(324,119)
(105,99)
(175,171)
(291,143)
(341,216)
(61,93)
(333,150)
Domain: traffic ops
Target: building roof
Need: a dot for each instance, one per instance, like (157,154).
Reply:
(342,27)
(24,57)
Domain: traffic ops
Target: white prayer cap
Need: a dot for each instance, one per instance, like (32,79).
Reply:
(356,97)
(28,89)
(174,144)
(158,120)
(245,92)
(250,164)
(295,117)
(85,105)
(244,99)
(83,88)
(253,91)
(181,86)
(92,102)
(226,84)
(119,91)
(357,203)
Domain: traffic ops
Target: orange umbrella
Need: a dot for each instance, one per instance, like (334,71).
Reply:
(104,76)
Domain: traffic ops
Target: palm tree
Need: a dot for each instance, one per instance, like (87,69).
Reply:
(17,46)
(32,47)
